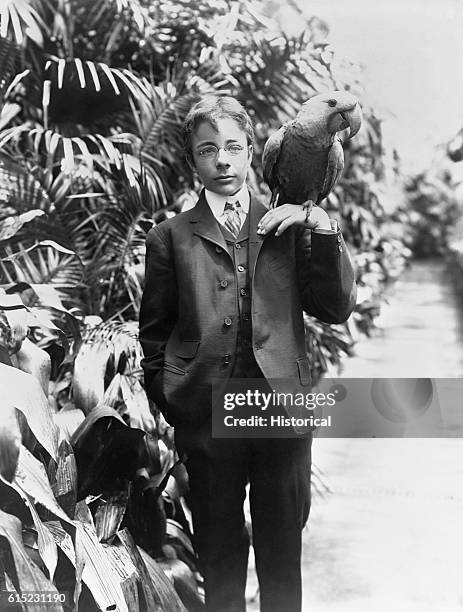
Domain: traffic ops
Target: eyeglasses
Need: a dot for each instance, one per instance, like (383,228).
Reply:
(212,151)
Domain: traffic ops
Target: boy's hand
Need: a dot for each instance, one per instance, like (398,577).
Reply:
(293,214)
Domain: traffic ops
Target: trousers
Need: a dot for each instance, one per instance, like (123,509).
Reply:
(278,471)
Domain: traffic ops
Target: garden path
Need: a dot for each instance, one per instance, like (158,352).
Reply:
(388,535)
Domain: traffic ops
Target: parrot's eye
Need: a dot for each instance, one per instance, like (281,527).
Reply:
(332,102)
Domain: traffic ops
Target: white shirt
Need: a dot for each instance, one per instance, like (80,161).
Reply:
(217,203)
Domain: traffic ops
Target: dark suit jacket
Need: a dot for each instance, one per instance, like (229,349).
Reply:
(184,307)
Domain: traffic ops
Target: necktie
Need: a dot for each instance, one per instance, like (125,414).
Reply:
(232,221)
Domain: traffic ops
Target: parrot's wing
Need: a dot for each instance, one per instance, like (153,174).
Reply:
(271,154)
(334,169)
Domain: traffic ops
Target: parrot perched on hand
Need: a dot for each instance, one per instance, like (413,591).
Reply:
(303,160)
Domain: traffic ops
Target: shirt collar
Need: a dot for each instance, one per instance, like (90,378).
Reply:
(217,201)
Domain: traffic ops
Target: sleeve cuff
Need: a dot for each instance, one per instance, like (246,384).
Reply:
(334,228)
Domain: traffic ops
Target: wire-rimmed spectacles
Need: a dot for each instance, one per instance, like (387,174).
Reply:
(212,151)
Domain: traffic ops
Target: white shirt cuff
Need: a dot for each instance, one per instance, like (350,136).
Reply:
(334,228)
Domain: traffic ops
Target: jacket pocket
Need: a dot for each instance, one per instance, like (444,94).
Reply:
(304,371)
(171,367)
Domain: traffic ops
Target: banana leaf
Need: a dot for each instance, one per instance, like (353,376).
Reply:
(184,582)
(23,391)
(98,573)
(22,571)
(159,593)
(10,442)
(109,512)
(107,452)
(89,375)
(63,477)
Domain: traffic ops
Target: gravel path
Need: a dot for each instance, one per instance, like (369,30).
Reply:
(389,534)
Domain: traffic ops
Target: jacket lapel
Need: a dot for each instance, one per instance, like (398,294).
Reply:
(205,224)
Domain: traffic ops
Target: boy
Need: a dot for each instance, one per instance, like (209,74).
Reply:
(225,287)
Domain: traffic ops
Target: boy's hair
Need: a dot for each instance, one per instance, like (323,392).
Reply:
(209,109)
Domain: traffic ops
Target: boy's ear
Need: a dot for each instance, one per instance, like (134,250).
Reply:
(250,152)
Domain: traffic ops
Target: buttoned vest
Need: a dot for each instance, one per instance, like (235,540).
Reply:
(244,364)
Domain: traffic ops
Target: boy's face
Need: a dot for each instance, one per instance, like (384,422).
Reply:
(221,171)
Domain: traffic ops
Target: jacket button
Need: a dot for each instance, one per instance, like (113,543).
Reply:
(237,245)
(243,292)
(227,321)
(240,268)
(258,347)
(224,283)
(218,249)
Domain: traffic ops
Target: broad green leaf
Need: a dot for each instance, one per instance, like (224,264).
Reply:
(23,391)
(45,542)
(31,478)
(160,595)
(166,594)
(109,511)
(99,574)
(10,442)
(137,404)
(35,361)
(11,225)
(25,575)
(129,579)
(63,477)
(174,530)
(89,373)
(107,451)
(183,580)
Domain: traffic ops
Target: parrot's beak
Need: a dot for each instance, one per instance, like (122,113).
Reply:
(353,119)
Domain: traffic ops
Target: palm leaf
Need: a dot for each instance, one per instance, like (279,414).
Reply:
(9,60)
(19,19)
(19,188)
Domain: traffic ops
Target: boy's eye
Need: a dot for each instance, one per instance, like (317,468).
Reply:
(234,149)
(212,151)
(208,152)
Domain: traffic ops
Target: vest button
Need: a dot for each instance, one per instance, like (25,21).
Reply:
(240,268)
(226,359)
(224,283)
(227,321)
(243,292)
(237,245)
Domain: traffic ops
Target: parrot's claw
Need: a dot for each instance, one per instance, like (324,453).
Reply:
(274,200)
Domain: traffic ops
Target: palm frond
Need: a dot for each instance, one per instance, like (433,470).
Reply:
(9,61)
(43,265)
(19,188)
(20,20)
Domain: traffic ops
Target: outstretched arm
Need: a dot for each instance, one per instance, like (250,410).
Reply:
(325,272)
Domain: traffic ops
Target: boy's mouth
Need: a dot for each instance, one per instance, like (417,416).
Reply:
(224,177)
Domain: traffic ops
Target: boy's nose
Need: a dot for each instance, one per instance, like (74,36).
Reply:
(222,158)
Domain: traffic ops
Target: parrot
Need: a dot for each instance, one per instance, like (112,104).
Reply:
(304,159)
